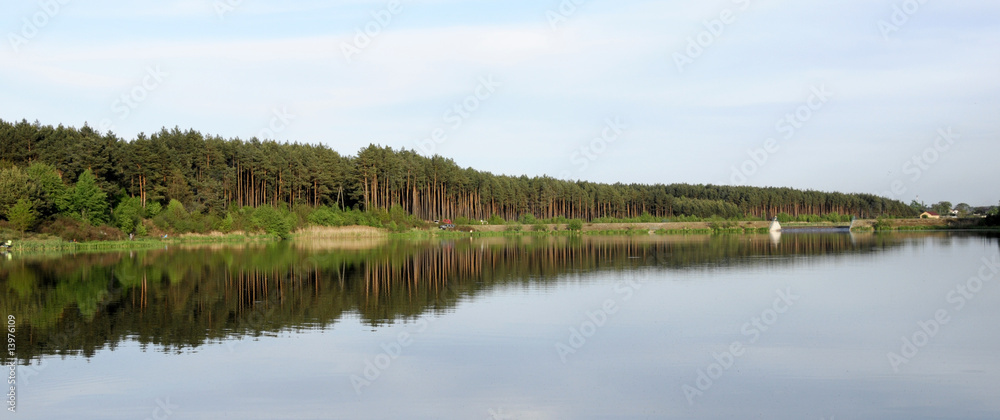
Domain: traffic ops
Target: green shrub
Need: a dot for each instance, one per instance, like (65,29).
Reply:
(22,215)
(718,223)
(400,216)
(393,227)
(204,223)
(363,218)
(85,200)
(992,217)
(325,216)
(380,216)
(495,220)
(128,214)
(242,218)
(575,225)
(153,208)
(174,218)
(226,224)
(72,229)
(13,186)
(302,213)
(273,221)
(881,225)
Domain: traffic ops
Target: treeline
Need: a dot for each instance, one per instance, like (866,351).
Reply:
(210,175)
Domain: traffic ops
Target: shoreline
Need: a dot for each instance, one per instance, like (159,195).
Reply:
(348,233)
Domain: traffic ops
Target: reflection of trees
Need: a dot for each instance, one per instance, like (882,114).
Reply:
(184,297)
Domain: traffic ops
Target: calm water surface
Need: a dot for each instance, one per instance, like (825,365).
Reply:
(801,326)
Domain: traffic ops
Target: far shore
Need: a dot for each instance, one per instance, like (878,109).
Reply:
(342,237)
(753,224)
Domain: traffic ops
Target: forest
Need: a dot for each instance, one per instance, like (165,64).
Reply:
(187,181)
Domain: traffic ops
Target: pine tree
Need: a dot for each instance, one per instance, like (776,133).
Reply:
(85,200)
(22,215)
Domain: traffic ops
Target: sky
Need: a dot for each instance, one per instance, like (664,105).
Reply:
(896,98)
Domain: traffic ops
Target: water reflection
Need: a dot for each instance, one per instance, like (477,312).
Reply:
(182,297)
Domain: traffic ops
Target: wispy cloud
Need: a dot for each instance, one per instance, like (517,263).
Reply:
(606,59)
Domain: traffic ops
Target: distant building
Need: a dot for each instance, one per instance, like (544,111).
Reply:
(929,215)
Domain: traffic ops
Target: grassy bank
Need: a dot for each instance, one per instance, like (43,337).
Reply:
(911,225)
(56,244)
(322,234)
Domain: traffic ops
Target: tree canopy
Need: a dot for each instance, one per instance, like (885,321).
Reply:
(212,175)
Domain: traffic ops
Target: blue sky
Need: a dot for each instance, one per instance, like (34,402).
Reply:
(623,91)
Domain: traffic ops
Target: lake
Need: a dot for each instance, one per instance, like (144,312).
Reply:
(792,326)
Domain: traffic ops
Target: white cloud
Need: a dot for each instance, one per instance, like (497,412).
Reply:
(606,59)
